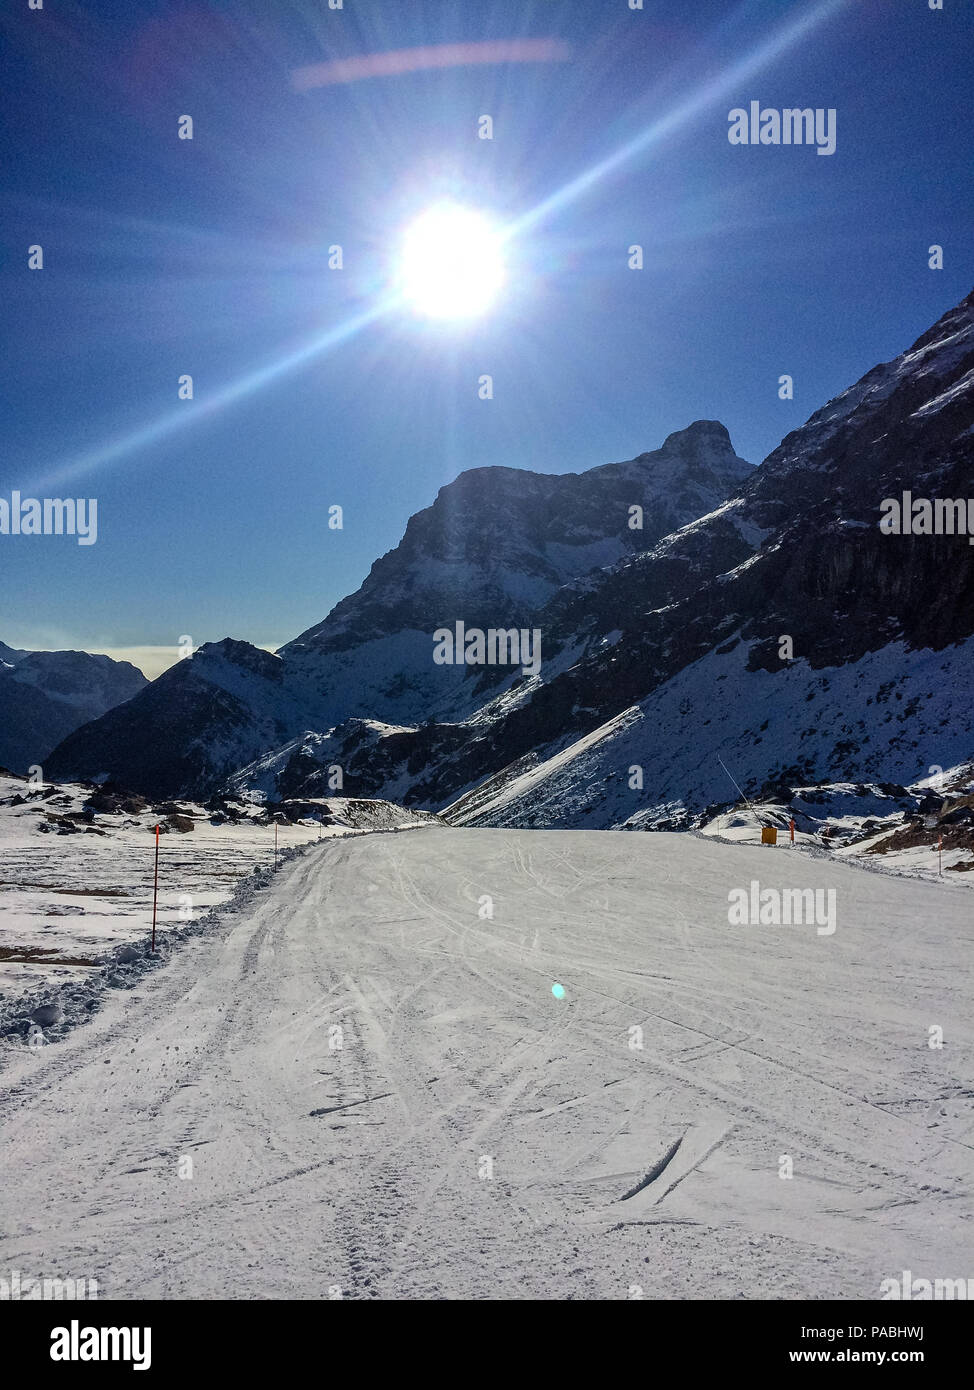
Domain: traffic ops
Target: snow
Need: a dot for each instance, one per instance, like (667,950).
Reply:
(475,1137)
(500,791)
(894,708)
(390,678)
(68,901)
(953,393)
(572,560)
(261,775)
(934,359)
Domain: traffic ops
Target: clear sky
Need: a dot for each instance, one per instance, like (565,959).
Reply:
(210,257)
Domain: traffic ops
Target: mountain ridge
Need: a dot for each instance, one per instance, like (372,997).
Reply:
(791,554)
(451,563)
(45,696)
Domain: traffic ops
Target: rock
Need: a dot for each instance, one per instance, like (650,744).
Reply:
(48,1014)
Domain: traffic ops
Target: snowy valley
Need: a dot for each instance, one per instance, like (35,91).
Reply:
(646,974)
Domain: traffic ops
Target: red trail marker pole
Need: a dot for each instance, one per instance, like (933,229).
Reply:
(155,894)
(940,850)
(275,844)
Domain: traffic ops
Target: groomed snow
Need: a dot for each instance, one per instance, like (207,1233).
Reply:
(68,902)
(382,1097)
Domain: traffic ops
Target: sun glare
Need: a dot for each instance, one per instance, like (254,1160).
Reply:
(451,265)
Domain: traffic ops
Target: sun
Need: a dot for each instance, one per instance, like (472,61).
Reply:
(451,264)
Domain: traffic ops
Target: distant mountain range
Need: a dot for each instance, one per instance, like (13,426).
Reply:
(46,695)
(760,615)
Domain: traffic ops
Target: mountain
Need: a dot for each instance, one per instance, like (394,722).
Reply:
(44,696)
(660,663)
(494,547)
(189,729)
(881,625)
(761,617)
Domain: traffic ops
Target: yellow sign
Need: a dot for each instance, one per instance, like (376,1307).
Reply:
(769,835)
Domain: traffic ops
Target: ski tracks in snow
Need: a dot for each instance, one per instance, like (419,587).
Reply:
(377,1094)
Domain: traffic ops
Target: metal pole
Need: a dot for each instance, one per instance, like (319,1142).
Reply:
(155,894)
(275,844)
(749,806)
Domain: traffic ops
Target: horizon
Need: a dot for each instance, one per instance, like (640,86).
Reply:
(153,661)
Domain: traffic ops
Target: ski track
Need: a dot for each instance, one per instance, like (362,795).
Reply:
(357,1171)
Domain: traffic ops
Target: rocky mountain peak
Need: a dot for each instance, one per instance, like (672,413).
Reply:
(702,438)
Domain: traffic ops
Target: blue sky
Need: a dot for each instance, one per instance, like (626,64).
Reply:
(210,257)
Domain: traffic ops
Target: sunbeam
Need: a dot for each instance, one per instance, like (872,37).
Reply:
(773,48)
(698,101)
(181,417)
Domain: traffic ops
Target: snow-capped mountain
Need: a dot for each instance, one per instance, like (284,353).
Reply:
(682,648)
(761,614)
(46,695)
(784,631)
(193,726)
(492,549)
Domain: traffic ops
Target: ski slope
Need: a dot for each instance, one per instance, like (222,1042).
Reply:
(72,904)
(476,1137)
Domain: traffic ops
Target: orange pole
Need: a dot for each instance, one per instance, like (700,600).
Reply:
(155,894)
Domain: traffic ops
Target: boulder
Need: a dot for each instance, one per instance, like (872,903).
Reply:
(48,1014)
